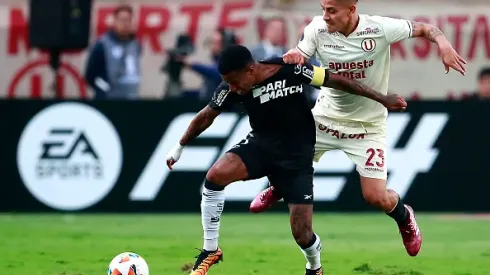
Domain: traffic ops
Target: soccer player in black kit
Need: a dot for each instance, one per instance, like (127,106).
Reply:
(280,145)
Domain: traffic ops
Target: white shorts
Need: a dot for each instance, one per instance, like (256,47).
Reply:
(367,149)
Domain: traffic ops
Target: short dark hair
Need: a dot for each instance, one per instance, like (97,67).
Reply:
(234,58)
(484,72)
(122,8)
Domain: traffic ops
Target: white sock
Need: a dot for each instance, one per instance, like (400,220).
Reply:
(312,254)
(212,204)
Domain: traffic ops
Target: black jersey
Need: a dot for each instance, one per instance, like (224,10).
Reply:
(278,108)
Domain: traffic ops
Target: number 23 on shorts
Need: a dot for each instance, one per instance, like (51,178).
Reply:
(376,157)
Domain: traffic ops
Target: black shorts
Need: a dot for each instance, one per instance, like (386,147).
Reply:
(290,174)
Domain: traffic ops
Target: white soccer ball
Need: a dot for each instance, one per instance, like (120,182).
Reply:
(128,263)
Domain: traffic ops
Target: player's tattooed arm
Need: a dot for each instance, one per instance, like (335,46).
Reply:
(199,124)
(428,31)
(450,58)
(351,86)
(392,102)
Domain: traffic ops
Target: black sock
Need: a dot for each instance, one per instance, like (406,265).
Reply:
(312,242)
(213,186)
(399,213)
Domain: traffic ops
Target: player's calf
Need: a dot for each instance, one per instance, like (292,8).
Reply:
(376,194)
(301,216)
(226,170)
(381,198)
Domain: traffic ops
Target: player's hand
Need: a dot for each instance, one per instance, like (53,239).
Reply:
(293,56)
(174,155)
(451,59)
(394,102)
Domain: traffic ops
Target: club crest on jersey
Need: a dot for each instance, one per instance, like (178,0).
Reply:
(275,90)
(368,44)
(303,69)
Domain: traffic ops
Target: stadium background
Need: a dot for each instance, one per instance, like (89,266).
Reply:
(438,156)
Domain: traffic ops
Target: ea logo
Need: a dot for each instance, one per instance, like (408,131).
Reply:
(368,44)
(69,156)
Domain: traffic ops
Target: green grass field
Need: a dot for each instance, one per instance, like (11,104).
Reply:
(252,244)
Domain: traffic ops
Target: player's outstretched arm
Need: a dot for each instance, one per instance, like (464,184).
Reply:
(392,102)
(199,124)
(316,76)
(450,58)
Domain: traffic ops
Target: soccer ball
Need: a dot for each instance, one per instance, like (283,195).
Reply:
(128,263)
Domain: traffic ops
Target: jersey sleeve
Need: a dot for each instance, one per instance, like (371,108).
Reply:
(223,98)
(396,29)
(310,74)
(307,44)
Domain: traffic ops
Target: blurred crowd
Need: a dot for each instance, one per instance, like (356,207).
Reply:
(113,68)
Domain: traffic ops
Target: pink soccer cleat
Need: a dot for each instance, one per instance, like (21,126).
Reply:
(264,200)
(411,235)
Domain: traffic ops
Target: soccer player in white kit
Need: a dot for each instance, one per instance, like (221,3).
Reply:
(358,46)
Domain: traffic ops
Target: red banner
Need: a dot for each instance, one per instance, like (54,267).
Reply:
(415,66)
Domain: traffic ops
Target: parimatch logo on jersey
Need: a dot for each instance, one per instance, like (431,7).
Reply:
(275,90)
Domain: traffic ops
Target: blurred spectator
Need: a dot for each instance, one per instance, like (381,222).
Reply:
(184,47)
(273,43)
(113,67)
(483,92)
(219,40)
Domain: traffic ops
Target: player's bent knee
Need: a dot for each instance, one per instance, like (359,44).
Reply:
(218,177)
(227,169)
(374,191)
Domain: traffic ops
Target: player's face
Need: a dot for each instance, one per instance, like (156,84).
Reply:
(240,82)
(123,23)
(337,14)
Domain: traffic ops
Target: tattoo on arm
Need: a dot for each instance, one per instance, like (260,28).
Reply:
(425,30)
(351,86)
(199,124)
(433,33)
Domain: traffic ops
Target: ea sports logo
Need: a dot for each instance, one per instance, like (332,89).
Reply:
(69,156)
(368,44)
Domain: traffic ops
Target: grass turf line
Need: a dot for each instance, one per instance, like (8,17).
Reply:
(252,244)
